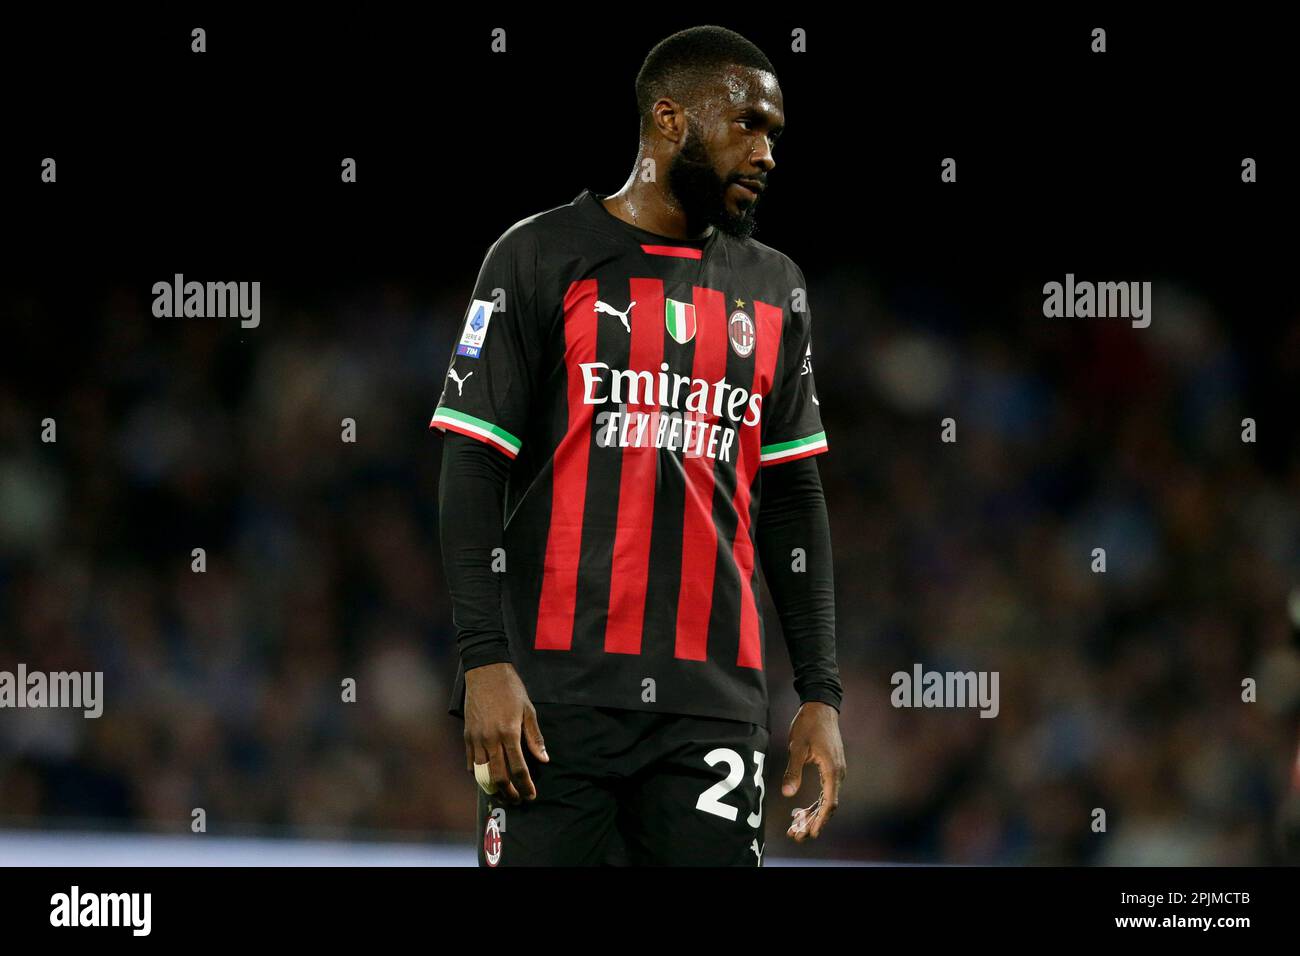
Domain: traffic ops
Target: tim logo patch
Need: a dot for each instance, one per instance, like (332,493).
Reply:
(492,842)
(471,340)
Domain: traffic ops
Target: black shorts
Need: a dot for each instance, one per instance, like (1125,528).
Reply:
(629,787)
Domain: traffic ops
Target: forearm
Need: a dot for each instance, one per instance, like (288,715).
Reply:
(793,515)
(471,516)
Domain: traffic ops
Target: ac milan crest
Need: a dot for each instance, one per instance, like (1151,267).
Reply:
(492,842)
(740,329)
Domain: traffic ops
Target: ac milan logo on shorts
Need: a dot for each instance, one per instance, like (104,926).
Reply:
(740,328)
(492,842)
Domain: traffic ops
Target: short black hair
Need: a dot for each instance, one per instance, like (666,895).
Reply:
(681,64)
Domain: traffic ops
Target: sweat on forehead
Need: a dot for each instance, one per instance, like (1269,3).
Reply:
(745,83)
(736,88)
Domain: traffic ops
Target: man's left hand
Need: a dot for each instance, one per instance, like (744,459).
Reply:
(814,738)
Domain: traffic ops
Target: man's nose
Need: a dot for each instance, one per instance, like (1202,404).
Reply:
(762,156)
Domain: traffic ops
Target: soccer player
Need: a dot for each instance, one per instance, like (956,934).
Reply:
(629,417)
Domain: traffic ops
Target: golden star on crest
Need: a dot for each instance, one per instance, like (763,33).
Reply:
(740,303)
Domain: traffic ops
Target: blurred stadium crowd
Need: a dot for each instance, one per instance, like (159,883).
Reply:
(1119,691)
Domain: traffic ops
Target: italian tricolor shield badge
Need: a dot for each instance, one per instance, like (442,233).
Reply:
(680,319)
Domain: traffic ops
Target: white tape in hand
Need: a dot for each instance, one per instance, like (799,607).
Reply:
(483,774)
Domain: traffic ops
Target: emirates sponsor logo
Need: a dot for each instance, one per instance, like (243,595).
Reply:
(691,433)
(670,411)
(602,384)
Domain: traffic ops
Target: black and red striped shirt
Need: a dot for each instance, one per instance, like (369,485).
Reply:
(639,384)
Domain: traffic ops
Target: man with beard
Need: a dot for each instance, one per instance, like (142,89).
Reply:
(632,392)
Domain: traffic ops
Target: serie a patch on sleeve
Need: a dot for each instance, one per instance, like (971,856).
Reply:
(471,340)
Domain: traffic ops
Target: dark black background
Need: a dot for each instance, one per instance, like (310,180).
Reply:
(236,151)
(1125,163)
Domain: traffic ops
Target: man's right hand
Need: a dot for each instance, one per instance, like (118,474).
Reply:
(498,715)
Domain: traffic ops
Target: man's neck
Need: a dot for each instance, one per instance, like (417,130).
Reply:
(647,206)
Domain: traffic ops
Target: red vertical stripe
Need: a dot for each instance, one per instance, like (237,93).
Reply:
(767,322)
(636,488)
(569,478)
(699,532)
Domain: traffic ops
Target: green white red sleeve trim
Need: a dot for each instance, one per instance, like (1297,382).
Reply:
(790,450)
(445,419)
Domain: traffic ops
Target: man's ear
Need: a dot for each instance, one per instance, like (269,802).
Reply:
(669,118)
